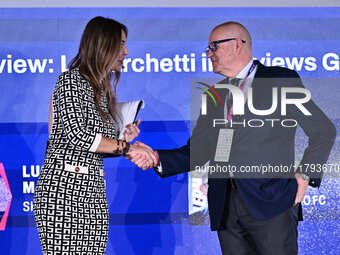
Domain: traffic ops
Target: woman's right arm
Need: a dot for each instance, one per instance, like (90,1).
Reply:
(70,100)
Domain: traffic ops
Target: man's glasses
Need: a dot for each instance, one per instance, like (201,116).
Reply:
(213,45)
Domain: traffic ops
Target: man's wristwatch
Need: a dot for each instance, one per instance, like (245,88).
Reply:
(305,177)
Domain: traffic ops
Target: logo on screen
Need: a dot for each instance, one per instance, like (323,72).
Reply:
(5,198)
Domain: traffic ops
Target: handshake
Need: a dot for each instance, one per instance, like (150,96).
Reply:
(139,153)
(142,155)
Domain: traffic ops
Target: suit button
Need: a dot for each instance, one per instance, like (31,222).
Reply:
(77,169)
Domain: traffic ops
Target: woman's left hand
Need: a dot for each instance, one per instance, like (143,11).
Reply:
(131,131)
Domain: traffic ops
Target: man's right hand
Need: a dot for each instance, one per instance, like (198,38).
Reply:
(143,156)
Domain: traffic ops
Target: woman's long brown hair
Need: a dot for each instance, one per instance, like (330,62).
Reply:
(99,48)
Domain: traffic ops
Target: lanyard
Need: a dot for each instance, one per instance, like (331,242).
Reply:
(251,69)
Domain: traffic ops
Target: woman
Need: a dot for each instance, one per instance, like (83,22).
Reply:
(70,205)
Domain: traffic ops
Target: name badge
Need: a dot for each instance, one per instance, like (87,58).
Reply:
(224,141)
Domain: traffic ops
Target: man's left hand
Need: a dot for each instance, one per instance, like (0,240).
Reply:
(302,188)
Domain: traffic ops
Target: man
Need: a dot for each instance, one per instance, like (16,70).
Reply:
(251,215)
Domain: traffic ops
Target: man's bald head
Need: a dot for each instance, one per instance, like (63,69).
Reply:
(234,29)
(229,57)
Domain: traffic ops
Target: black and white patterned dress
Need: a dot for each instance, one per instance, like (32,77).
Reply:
(70,205)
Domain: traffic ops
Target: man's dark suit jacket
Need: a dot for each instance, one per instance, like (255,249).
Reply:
(264,197)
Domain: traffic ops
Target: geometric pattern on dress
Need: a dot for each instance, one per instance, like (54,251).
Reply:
(70,208)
